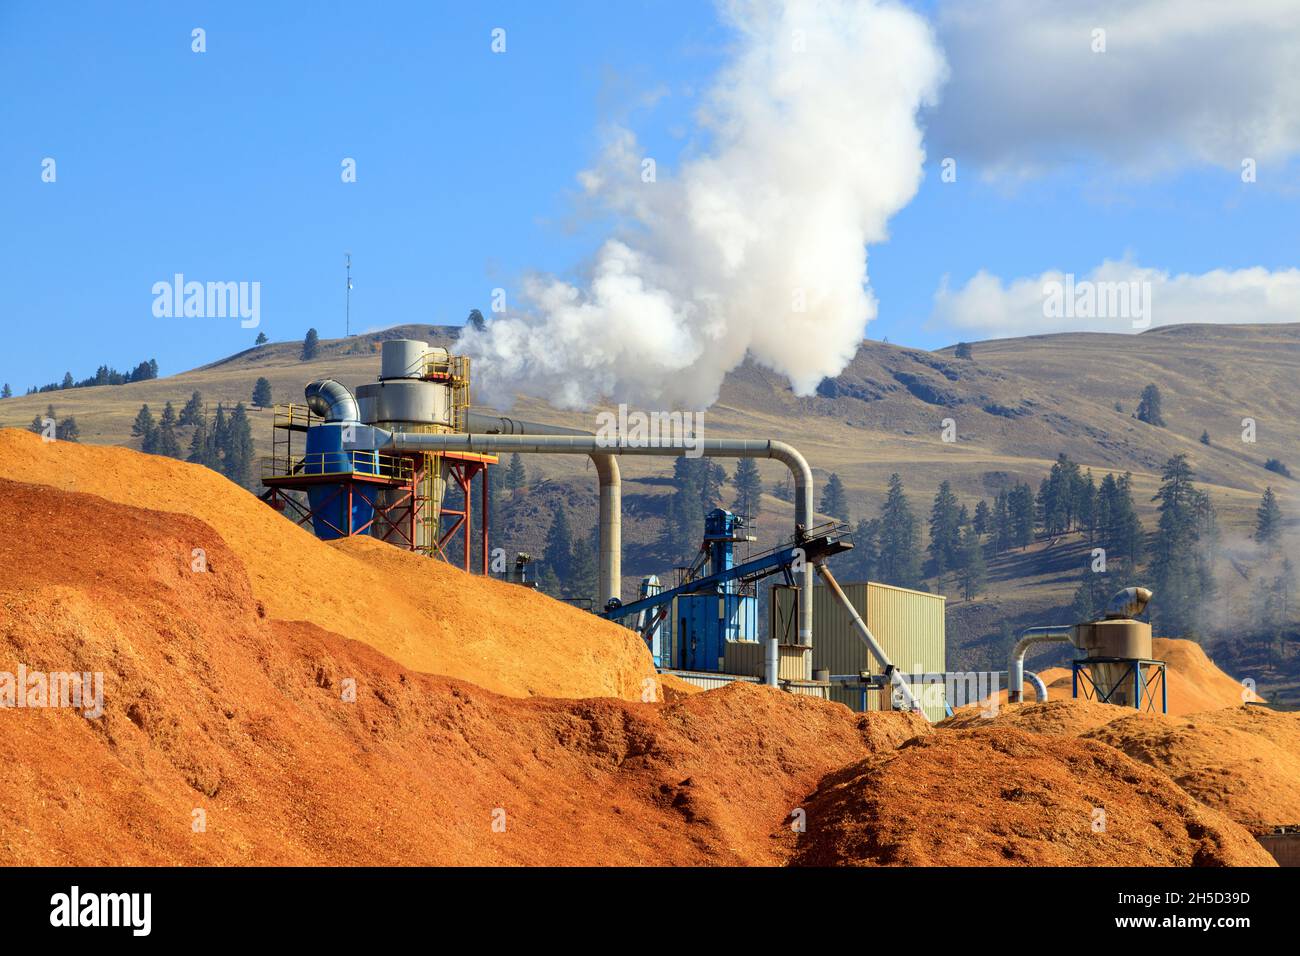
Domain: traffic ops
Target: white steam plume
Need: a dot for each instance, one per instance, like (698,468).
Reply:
(814,145)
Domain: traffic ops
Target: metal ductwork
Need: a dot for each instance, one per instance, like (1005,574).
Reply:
(1112,644)
(1016,664)
(332,401)
(585,444)
(1128,603)
(610,582)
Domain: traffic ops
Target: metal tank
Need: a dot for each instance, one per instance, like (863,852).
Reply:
(404,401)
(1115,645)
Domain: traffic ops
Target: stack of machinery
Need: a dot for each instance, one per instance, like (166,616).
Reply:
(352,489)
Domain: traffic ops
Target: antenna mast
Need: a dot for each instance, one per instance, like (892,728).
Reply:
(347,320)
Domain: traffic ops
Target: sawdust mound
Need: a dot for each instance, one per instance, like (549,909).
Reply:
(1244,761)
(1066,717)
(212,705)
(424,614)
(1195,683)
(1003,796)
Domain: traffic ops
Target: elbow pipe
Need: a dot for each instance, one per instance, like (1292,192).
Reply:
(611,528)
(1040,689)
(586,444)
(610,584)
(332,401)
(1016,663)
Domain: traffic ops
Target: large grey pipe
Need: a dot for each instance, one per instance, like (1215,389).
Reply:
(878,652)
(1016,663)
(589,445)
(332,401)
(611,494)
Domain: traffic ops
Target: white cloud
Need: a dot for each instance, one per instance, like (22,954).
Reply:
(988,307)
(1182,82)
(813,145)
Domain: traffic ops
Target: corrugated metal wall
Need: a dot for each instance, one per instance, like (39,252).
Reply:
(908,624)
(745,657)
(792,663)
(710,681)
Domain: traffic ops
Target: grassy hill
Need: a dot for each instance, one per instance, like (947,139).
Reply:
(1015,405)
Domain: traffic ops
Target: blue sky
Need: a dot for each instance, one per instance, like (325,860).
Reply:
(225,166)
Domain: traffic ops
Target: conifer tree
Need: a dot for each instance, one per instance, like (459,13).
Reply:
(834,502)
(749,488)
(899,545)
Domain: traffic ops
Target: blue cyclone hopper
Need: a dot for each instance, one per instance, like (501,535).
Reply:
(326,456)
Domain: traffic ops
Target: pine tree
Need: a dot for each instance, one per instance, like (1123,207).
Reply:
(515,476)
(6,392)
(219,437)
(557,555)
(237,462)
(144,423)
(900,559)
(1061,497)
(863,561)
(1205,438)
(261,393)
(1181,570)
(783,489)
(168,419)
(983,520)
(1002,535)
(1086,506)
(1091,595)
(261,339)
(310,345)
(166,442)
(1148,409)
(749,488)
(945,533)
(834,502)
(584,573)
(69,383)
(200,446)
(192,411)
(712,477)
(1118,528)
(67,430)
(37,425)
(1268,521)
(684,526)
(972,573)
(1020,508)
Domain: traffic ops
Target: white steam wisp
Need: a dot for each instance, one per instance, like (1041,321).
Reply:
(755,246)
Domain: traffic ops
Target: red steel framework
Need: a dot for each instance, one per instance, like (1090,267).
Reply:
(464,469)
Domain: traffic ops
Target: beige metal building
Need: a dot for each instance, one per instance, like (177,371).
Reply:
(908,624)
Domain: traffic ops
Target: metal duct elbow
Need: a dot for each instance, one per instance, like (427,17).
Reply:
(1016,664)
(332,401)
(1128,603)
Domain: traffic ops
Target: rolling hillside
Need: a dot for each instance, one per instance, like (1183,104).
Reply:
(1015,404)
